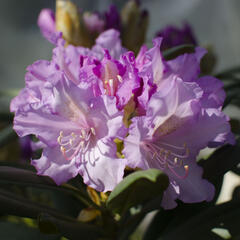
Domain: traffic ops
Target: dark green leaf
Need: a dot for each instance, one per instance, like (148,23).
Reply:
(72,229)
(235,126)
(177,51)
(158,224)
(24,177)
(12,204)
(167,220)
(130,223)
(46,226)
(17,231)
(221,161)
(199,227)
(236,193)
(137,188)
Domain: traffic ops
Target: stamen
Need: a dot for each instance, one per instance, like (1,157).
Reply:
(173,146)
(83,134)
(164,158)
(73,144)
(119,78)
(186,168)
(93,131)
(63,149)
(111,87)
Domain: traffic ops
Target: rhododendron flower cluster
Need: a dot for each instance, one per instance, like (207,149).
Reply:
(75,105)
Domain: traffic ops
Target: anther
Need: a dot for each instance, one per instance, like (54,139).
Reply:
(119,78)
(73,134)
(63,149)
(83,133)
(111,82)
(59,139)
(93,131)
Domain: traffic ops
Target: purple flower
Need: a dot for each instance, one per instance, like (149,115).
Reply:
(47,25)
(26,148)
(118,77)
(182,116)
(107,68)
(173,36)
(93,22)
(76,127)
(112,18)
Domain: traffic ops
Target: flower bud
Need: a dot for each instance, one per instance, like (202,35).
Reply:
(93,22)
(70,23)
(173,36)
(112,18)
(135,23)
(46,23)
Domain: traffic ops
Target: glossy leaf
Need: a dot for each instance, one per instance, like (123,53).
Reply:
(137,188)
(177,51)
(24,177)
(72,229)
(200,227)
(221,161)
(11,231)
(67,226)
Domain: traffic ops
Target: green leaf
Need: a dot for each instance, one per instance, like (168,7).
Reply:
(130,223)
(24,177)
(14,231)
(221,161)
(177,51)
(12,204)
(226,216)
(137,188)
(167,220)
(71,229)
(158,224)
(235,125)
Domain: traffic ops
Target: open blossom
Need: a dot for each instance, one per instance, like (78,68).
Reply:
(74,105)
(78,130)
(76,126)
(182,116)
(107,68)
(118,77)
